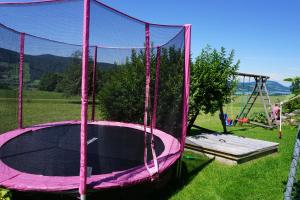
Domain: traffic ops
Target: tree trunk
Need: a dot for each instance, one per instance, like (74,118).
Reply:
(192,120)
(222,118)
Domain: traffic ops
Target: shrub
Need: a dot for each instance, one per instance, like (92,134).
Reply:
(292,105)
(259,117)
(5,194)
(122,94)
(49,81)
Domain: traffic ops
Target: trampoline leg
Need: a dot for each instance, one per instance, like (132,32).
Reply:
(178,168)
(82,197)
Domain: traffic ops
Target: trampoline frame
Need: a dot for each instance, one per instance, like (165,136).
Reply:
(17,180)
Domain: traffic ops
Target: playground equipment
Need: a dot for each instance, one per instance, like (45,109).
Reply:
(260,89)
(42,39)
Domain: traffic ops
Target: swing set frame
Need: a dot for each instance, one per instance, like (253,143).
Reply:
(260,89)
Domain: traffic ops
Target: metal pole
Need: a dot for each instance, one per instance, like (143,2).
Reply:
(84,101)
(293,168)
(94,83)
(147,90)
(280,121)
(21,64)
(186,82)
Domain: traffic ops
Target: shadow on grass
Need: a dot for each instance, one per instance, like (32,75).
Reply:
(242,128)
(167,185)
(198,129)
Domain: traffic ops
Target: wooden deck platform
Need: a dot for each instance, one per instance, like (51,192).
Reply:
(230,149)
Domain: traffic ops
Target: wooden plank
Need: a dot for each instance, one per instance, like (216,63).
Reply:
(232,157)
(235,149)
(225,147)
(233,140)
(237,140)
(222,147)
(251,75)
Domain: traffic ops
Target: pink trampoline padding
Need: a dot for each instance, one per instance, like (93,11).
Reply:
(17,180)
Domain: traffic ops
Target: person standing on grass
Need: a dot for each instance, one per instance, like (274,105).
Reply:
(276,112)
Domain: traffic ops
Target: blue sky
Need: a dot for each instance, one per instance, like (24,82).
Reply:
(264,33)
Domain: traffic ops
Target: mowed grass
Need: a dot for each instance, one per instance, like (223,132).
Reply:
(263,178)
(38,107)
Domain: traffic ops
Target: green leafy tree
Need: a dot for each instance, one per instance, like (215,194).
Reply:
(70,83)
(121,97)
(49,81)
(8,75)
(213,81)
(295,87)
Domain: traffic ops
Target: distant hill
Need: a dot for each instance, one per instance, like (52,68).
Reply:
(40,64)
(274,88)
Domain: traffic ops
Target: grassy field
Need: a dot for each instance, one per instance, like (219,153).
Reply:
(263,178)
(38,107)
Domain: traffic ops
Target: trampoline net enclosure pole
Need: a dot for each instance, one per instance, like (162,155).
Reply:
(186,89)
(94,83)
(147,88)
(20,98)
(156,88)
(84,100)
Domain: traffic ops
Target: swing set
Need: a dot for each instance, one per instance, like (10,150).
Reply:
(249,98)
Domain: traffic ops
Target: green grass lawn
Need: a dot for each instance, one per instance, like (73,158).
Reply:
(263,178)
(38,107)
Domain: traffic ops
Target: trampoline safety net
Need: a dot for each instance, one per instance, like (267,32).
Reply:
(137,73)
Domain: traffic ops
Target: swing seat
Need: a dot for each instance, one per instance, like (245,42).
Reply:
(228,121)
(243,120)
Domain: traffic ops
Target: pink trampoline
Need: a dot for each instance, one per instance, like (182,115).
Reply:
(133,75)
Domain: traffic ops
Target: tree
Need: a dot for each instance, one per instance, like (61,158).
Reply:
(121,97)
(70,83)
(213,80)
(295,87)
(49,81)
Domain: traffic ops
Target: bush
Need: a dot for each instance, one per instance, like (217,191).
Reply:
(5,194)
(259,117)
(292,105)
(49,81)
(122,94)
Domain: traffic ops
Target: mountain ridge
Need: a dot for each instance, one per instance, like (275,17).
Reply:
(273,87)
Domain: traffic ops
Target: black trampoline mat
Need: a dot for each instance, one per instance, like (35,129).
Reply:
(55,151)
